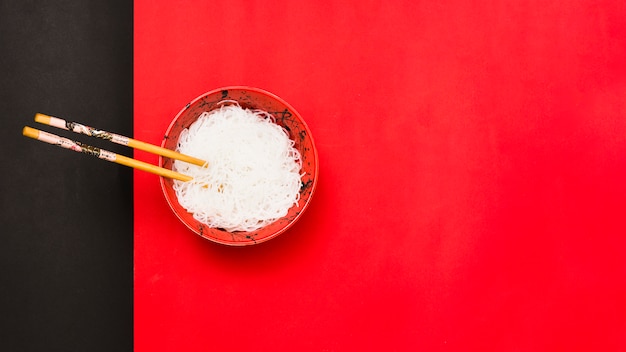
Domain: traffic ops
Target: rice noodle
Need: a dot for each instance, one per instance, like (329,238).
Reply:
(253,173)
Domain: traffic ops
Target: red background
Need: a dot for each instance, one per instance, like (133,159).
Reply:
(472,191)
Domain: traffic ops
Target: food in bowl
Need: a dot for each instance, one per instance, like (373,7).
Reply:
(252,176)
(294,188)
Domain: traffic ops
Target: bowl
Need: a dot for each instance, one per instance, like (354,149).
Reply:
(285,116)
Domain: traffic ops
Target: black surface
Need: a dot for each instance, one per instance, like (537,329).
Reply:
(66,226)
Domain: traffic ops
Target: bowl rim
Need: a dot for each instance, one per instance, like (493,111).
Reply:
(297,216)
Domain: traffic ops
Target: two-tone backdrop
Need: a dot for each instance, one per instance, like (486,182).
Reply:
(471,192)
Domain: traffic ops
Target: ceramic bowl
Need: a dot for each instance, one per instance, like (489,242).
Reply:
(287,117)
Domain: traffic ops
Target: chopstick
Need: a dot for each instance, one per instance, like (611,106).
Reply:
(115,138)
(101,153)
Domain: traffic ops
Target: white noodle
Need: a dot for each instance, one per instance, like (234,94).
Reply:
(253,174)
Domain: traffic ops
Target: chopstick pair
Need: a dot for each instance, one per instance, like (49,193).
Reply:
(105,154)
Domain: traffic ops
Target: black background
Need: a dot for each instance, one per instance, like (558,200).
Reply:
(67,218)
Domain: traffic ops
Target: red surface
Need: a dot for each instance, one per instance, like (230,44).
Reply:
(472,191)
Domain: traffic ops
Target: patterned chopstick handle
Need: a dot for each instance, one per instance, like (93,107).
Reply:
(83,129)
(70,144)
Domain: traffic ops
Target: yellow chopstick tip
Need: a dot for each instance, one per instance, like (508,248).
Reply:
(30,132)
(41,118)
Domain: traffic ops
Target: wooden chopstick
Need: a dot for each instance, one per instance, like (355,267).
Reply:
(115,138)
(101,153)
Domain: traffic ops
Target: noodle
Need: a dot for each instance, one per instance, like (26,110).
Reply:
(253,173)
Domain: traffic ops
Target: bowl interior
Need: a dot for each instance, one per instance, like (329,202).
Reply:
(286,116)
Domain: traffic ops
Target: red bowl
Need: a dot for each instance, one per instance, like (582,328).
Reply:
(287,117)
